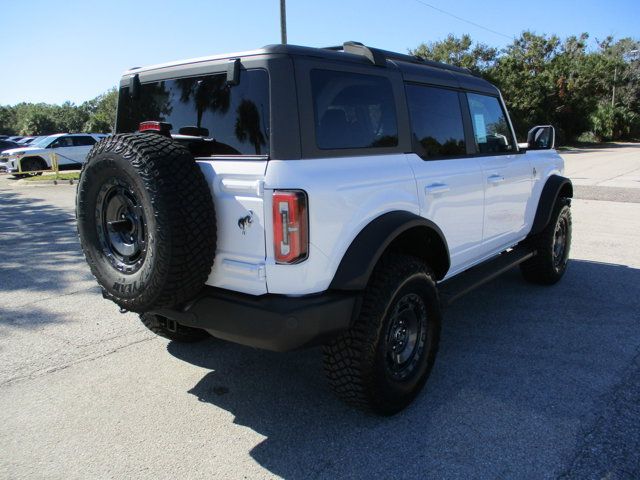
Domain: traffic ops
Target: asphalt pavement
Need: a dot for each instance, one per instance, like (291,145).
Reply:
(530,382)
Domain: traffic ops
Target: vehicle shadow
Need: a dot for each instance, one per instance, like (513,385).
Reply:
(41,254)
(521,374)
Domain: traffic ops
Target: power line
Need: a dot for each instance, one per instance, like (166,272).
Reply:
(464,19)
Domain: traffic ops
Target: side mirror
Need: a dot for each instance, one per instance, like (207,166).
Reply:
(541,137)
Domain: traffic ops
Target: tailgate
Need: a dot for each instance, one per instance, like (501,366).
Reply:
(237,189)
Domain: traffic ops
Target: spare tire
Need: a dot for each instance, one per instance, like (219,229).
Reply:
(146,221)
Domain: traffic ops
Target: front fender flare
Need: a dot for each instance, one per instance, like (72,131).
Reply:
(363,254)
(555,186)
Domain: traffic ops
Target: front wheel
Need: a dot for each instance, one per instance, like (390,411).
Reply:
(552,247)
(382,362)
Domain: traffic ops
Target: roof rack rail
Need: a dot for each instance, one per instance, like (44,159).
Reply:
(379,57)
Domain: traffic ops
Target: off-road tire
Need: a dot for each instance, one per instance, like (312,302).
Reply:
(163,327)
(542,269)
(356,362)
(173,208)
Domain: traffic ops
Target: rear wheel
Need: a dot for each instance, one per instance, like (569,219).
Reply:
(172,330)
(382,362)
(552,247)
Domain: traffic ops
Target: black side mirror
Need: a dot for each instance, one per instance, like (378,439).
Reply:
(541,137)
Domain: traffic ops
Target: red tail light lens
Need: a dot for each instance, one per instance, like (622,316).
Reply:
(290,226)
(153,126)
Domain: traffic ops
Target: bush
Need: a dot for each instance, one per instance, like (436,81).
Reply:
(613,122)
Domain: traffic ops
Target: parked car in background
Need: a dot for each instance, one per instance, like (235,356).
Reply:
(71,150)
(7,144)
(15,138)
(25,140)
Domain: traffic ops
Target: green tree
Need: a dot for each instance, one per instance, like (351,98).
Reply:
(38,122)
(461,52)
(101,112)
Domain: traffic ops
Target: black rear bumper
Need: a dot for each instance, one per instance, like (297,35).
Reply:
(271,322)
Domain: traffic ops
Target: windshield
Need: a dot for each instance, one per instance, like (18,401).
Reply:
(43,142)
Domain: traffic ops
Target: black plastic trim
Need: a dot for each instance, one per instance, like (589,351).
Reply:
(363,254)
(548,198)
(271,322)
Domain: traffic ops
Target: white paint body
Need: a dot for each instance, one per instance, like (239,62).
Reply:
(483,205)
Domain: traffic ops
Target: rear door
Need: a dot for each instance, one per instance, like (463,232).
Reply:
(507,174)
(449,178)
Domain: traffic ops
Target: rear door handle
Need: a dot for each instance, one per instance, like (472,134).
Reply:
(436,188)
(495,179)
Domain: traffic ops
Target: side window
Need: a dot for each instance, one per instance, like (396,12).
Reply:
(62,142)
(490,127)
(83,141)
(436,121)
(353,110)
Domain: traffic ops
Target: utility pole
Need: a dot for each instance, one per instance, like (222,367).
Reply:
(613,96)
(283,22)
(630,54)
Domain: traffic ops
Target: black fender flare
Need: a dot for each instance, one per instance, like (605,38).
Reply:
(365,250)
(555,186)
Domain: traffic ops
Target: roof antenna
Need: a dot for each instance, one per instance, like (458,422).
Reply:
(283,22)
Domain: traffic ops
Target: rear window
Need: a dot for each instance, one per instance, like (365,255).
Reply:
(228,120)
(436,121)
(353,110)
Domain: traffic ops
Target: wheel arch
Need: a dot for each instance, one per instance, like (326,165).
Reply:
(399,231)
(33,157)
(555,187)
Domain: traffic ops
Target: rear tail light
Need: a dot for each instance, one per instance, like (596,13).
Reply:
(290,226)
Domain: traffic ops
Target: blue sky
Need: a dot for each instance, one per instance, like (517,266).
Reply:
(52,51)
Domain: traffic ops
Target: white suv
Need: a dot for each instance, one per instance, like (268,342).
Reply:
(292,196)
(71,148)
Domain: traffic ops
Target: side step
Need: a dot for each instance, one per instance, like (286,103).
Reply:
(456,287)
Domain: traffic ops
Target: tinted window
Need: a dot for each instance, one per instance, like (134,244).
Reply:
(436,121)
(490,127)
(220,119)
(353,110)
(4,145)
(62,142)
(83,141)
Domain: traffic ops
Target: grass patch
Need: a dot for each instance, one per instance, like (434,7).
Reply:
(61,177)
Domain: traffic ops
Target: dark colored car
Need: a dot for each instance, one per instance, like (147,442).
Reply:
(7,144)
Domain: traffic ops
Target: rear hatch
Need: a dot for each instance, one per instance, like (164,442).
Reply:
(226,127)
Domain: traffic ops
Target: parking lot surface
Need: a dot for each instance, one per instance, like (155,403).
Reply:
(530,382)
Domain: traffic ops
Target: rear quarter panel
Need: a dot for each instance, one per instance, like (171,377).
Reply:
(345,194)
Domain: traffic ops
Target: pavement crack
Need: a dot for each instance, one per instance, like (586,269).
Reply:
(64,366)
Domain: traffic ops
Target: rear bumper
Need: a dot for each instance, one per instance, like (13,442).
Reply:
(271,322)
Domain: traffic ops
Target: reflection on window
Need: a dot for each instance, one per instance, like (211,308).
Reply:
(353,110)
(490,127)
(214,118)
(436,121)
